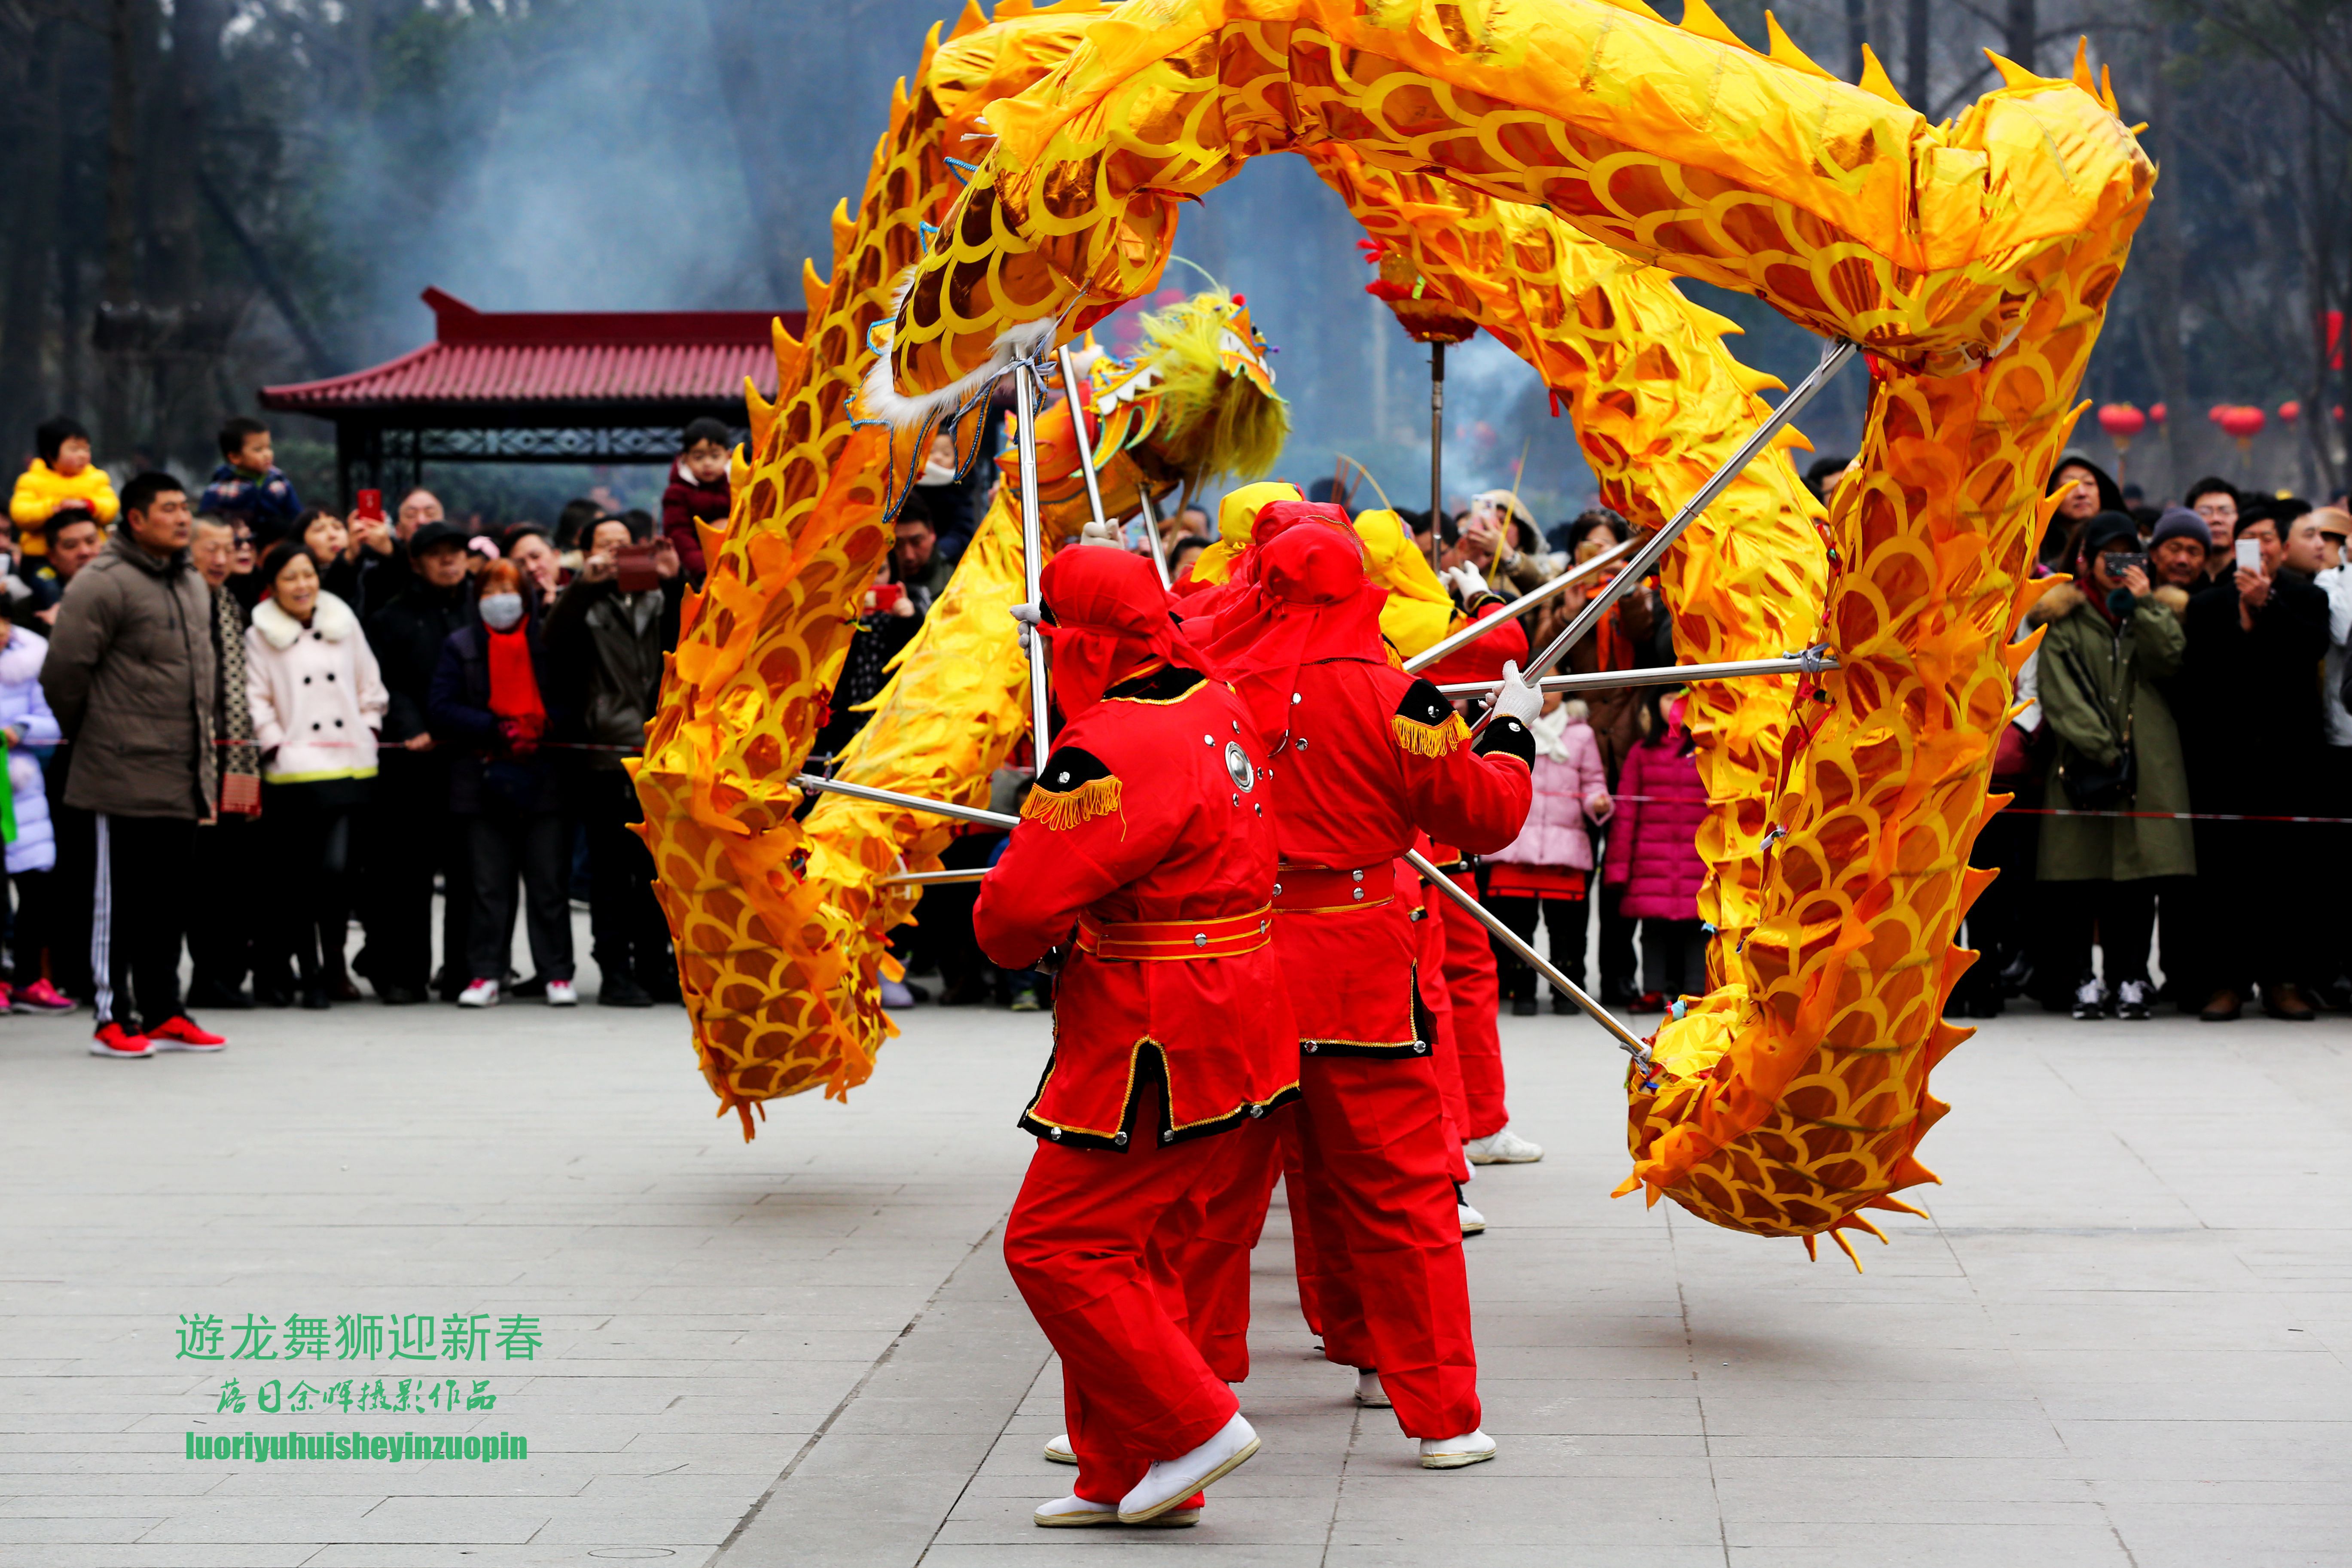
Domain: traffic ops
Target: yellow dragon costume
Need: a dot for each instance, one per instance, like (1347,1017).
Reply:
(1972,259)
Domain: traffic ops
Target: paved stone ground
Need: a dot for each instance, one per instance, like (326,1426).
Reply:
(2121,1339)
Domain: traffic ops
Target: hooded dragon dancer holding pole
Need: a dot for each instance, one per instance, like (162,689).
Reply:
(1542,171)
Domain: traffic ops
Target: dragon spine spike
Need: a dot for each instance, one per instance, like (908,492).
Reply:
(1875,81)
(1784,50)
(973,20)
(2012,74)
(931,50)
(816,290)
(1700,19)
(2082,78)
(2108,92)
(844,227)
(1890,1202)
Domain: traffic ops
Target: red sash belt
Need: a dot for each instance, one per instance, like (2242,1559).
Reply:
(1227,936)
(1301,888)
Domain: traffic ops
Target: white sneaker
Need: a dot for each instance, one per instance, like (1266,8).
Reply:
(1073,1510)
(1473,1222)
(1058,1451)
(563,994)
(480,994)
(1452,1453)
(1503,1148)
(1369,1392)
(2131,999)
(1170,1482)
(2090,999)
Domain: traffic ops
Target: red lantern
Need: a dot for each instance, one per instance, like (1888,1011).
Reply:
(2290,411)
(2216,412)
(2157,411)
(2242,423)
(2121,420)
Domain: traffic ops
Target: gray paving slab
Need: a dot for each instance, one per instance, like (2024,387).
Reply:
(2125,1335)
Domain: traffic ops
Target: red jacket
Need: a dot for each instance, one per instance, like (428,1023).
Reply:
(685,502)
(1653,837)
(1373,756)
(1148,827)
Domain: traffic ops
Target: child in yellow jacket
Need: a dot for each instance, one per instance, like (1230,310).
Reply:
(62,478)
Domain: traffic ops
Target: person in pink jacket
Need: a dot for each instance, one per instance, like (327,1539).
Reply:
(1653,855)
(1547,868)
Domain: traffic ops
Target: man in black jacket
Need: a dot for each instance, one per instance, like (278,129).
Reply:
(412,835)
(2252,729)
(605,641)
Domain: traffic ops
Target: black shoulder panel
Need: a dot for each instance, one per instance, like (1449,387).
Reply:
(1509,735)
(1165,683)
(1070,768)
(1424,704)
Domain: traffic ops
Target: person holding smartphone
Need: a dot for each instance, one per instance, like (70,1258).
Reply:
(606,640)
(2256,643)
(2111,639)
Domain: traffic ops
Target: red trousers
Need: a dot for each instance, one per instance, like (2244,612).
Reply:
(1079,1244)
(1377,1155)
(1208,1239)
(1470,984)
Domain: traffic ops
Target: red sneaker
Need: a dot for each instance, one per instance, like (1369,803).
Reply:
(180,1033)
(113,1041)
(41,996)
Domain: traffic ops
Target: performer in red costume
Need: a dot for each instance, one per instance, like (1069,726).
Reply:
(1363,756)
(1472,986)
(1146,850)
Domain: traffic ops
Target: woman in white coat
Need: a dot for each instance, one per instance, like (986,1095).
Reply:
(318,702)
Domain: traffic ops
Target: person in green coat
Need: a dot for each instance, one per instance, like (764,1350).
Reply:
(2108,639)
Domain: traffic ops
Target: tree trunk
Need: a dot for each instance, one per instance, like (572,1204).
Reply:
(119,290)
(1918,27)
(24,388)
(2018,31)
(187,319)
(1857,33)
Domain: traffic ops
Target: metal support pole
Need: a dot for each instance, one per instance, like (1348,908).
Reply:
(812,784)
(1026,390)
(1630,1043)
(1518,607)
(1436,446)
(1811,663)
(934,878)
(1078,432)
(1152,531)
(1834,359)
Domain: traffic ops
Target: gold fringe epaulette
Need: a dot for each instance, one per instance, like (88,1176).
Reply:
(1095,798)
(1429,739)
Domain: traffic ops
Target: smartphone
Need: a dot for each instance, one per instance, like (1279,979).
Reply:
(2119,563)
(633,567)
(886,596)
(2250,555)
(370,504)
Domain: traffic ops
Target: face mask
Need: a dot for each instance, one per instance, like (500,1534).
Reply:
(937,474)
(502,611)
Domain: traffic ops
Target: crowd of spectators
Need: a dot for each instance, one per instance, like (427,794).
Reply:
(198,683)
(382,706)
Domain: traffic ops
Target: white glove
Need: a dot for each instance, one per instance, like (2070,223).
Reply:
(1517,699)
(1028,615)
(1469,580)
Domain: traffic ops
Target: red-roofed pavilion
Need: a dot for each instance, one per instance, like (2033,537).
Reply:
(539,387)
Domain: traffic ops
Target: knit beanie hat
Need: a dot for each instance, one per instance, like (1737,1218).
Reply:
(2181,523)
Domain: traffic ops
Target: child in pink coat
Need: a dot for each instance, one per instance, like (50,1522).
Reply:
(1547,868)
(1653,856)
